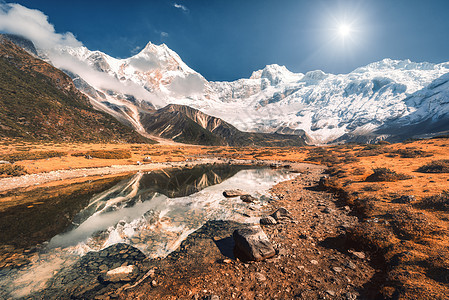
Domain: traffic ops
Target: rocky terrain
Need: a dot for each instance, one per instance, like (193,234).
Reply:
(313,259)
(381,234)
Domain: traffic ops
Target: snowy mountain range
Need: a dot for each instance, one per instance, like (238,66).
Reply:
(389,99)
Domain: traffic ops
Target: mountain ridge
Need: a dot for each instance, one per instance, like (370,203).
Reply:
(188,125)
(40,102)
(328,107)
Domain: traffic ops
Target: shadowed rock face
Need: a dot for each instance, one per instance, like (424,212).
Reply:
(188,125)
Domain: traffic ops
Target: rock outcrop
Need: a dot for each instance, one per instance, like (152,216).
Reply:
(251,243)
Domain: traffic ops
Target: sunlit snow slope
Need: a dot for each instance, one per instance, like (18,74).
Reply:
(369,103)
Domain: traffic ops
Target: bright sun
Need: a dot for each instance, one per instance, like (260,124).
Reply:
(344,30)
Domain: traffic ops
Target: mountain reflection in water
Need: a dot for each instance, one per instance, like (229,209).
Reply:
(155,212)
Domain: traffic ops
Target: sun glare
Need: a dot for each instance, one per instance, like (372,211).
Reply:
(344,30)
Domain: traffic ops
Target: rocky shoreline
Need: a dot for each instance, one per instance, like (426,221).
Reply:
(313,259)
(310,258)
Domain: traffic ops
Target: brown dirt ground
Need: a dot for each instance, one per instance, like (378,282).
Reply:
(314,260)
(406,245)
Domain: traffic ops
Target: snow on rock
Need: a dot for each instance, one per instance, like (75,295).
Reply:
(326,106)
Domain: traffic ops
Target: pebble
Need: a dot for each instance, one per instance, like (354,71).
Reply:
(337,269)
(351,265)
(269,220)
(260,277)
(360,255)
(314,262)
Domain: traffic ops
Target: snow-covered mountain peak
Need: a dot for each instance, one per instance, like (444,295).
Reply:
(276,74)
(314,76)
(159,56)
(326,106)
(388,64)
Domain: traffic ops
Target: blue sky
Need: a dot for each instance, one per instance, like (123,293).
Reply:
(227,40)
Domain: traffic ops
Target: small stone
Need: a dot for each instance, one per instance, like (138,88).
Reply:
(330,292)
(233,193)
(103,267)
(314,262)
(269,220)
(251,243)
(328,210)
(126,273)
(351,265)
(153,283)
(405,199)
(357,254)
(281,213)
(282,252)
(260,277)
(350,296)
(248,198)
(337,269)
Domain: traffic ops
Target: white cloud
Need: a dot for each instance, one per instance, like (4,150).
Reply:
(182,7)
(164,34)
(33,25)
(100,80)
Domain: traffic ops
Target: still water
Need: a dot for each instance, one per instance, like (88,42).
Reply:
(153,212)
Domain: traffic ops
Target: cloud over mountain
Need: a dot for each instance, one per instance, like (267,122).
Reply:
(33,25)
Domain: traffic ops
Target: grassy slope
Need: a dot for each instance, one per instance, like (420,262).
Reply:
(39,102)
(410,240)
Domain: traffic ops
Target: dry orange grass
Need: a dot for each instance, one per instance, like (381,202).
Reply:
(410,237)
(158,153)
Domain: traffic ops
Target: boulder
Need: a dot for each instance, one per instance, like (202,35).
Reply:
(248,198)
(120,274)
(147,159)
(281,213)
(269,220)
(251,243)
(233,193)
